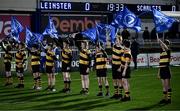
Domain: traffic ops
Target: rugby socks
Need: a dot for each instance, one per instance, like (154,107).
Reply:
(116,90)
(65,84)
(165,95)
(22,82)
(107,89)
(35,83)
(100,88)
(120,90)
(68,85)
(127,94)
(39,81)
(169,94)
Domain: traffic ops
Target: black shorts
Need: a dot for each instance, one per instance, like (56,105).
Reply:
(83,69)
(101,72)
(49,69)
(165,73)
(115,73)
(128,72)
(35,68)
(19,70)
(7,66)
(66,67)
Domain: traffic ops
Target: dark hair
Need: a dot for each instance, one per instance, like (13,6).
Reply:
(9,47)
(167,42)
(50,44)
(127,43)
(21,43)
(36,46)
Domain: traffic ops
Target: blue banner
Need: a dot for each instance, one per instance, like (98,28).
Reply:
(51,29)
(127,19)
(162,21)
(32,38)
(90,34)
(16,28)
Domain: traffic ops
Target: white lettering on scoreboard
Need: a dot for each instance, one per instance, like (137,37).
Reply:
(55,5)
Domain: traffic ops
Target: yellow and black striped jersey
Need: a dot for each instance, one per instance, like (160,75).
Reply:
(126,57)
(20,58)
(66,56)
(35,58)
(7,57)
(117,52)
(85,58)
(50,57)
(165,58)
(101,60)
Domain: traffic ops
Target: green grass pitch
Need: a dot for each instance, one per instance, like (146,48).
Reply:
(146,91)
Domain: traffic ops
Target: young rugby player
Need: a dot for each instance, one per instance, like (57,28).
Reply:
(164,70)
(35,64)
(20,61)
(84,62)
(50,58)
(7,62)
(117,52)
(101,69)
(125,68)
(66,55)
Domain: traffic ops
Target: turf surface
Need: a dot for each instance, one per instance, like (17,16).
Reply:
(146,91)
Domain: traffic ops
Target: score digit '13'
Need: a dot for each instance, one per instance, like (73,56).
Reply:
(115,7)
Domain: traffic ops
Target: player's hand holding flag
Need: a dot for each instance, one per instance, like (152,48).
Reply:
(51,29)
(16,28)
(162,22)
(127,19)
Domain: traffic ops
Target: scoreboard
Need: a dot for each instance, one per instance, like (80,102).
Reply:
(100,7)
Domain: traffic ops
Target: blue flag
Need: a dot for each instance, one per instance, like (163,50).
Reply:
(101,32)
(32,38)
(16,28)
(127,19)
(51,29)
(104,30)
(90,34)
(162,21)
(112,32)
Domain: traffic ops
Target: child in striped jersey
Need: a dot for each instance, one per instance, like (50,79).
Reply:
(20,62)
(50,58)
(7,61)
(35,65)
(101,69)
(164,70)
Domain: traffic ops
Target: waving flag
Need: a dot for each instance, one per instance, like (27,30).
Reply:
(118,19)
(90,34)
(112,32)
(50,29)
(104,30)
(162,21)
(16,28)
(127,19)
(32,38)
(101,32)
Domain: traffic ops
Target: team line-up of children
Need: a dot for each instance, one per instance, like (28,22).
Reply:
(121,59)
